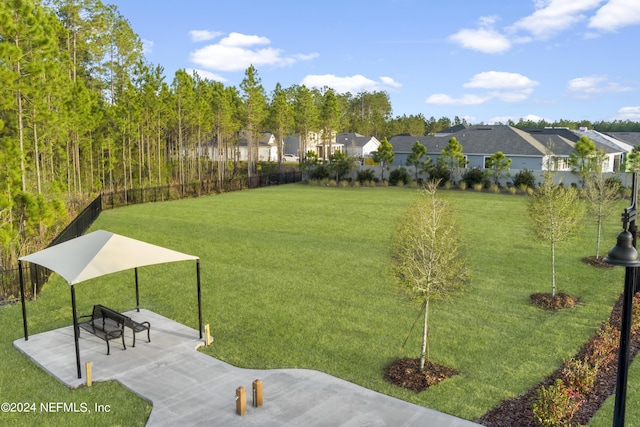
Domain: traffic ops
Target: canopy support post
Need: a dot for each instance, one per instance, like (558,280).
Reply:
(199,298)
(76,331)
(24,306)
(137,292)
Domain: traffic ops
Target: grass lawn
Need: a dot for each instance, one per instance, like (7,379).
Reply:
(298,277)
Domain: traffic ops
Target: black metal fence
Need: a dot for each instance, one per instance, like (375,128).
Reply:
(35,275)
(196,189)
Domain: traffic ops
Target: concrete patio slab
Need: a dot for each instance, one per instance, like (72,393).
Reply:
(187,387)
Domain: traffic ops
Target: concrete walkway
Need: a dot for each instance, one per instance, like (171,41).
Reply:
(189,388)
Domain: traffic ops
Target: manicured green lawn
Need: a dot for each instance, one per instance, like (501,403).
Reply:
(298,277)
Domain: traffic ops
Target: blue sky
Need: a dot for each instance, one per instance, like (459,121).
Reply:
(483,60)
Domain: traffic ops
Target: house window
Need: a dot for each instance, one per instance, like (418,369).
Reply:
(617,162)
(560,164)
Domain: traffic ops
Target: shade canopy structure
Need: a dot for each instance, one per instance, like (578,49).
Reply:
(97,254)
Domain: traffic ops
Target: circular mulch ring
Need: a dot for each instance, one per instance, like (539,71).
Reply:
(406,373)
(596,262)
(558,302)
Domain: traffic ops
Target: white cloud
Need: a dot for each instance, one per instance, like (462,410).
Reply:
(353,84)
(554,16)
(237,52)
(528,117)
(504,86)
(629,113)
(444,99)
(390,82)
(512,95)
(616,14)
(147,46)
(585,87)
(203,35)
(500,80)
(243,40)
(206,75)
(507,87)
(484,39)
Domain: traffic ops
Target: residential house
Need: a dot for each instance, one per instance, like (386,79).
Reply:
(293,144)
(267,147)
(358,146)
(630,138)
(533,149)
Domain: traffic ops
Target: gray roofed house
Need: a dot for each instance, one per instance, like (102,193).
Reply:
(356,145)
(528,149)
(604,139)
(449,131)
(267,147)
(631,138)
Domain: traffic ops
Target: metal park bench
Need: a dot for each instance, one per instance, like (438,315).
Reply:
(108,324)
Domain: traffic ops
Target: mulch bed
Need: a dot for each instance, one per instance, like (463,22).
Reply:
(597,262)
(406,373)
(518,412)
(557,302)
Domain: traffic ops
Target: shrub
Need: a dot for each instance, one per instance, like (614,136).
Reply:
(399,176)
(524,178)
(602,350)
(580,375)
(474,176)
(366,175)
(440,173)
(319,172)
(556,405)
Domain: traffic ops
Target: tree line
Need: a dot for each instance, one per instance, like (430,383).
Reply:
(82,111)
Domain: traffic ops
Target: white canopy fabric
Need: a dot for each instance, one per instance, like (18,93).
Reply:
(99,253)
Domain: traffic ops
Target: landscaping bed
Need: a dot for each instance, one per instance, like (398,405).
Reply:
(518,411)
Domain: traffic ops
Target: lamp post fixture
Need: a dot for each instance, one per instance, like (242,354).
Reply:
(625,254)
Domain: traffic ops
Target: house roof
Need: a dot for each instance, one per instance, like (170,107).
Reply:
(631,138)
(489,139)
(243,138)
(351,139)
(604,142)
(452,129)
(403,142)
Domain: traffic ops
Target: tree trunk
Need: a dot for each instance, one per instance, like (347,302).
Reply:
(553,269)
(425,330)
(36,154)
(598,238)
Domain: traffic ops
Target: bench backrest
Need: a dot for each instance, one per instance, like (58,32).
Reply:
(100,311)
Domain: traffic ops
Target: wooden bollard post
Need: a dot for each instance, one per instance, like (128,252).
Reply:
(257,393)
(88,370)
(207,335)
(241,401)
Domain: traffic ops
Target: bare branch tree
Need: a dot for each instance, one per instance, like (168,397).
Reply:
(427,254)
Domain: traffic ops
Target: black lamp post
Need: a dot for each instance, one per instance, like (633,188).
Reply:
(625,254)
